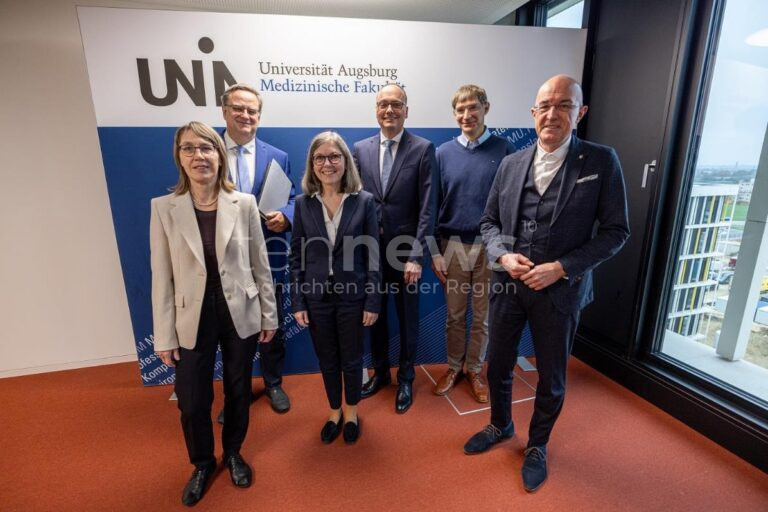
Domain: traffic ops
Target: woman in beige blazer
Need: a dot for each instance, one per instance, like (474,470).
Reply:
(211,287)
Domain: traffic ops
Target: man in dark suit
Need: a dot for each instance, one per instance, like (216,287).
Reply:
(556,210)
(249,158)
(396,167)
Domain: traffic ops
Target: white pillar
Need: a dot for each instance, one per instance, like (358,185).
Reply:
(750,269)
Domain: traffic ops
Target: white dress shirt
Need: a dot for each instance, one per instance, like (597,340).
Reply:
(464,141)
(331,224)
(546,165)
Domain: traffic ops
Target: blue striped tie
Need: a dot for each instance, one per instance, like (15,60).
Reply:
(243,179)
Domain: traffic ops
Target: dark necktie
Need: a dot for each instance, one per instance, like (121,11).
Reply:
(386,165)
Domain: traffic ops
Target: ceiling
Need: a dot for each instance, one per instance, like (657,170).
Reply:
(484,12)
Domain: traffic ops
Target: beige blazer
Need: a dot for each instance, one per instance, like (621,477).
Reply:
(179,275)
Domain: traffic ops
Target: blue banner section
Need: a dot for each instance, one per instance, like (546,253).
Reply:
(139,165)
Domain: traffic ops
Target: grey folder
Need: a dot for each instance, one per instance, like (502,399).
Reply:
(276,190)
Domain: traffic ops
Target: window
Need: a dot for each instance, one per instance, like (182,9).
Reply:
(717,316)
(567,14)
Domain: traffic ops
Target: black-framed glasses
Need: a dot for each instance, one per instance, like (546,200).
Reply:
(394,105)
(242,109)
(560,107)
(189,150)
(319,160)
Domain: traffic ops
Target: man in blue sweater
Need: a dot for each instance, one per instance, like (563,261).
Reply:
(467,167)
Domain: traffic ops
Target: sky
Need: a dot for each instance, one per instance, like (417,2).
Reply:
(569,18)
(737,112)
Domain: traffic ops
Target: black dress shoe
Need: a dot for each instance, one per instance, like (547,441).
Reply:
(197,484)
(330,431)
(351,431)
(375,383)
(239,470)
(278,399)
(534,468)
(404,398)
(489,436)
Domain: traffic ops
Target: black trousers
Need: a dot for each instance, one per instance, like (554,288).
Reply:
(553,332)
(336,328)
(194,382)
(272,354)
(407,308)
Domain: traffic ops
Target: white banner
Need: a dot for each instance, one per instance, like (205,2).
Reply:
(151,71)
(313,71)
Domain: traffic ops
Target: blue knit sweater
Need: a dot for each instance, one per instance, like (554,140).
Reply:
(465,178)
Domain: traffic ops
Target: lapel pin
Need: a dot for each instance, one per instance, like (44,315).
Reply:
(581,156)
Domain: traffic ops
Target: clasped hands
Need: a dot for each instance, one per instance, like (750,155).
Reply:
(535,277)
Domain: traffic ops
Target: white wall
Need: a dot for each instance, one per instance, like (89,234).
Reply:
(62,299)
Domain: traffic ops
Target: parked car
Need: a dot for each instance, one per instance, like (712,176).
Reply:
(725,277)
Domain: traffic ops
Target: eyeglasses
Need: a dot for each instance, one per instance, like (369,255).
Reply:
(319,160)
(189,150)
(560,107)
(242,109)
(471,109)
(394,105)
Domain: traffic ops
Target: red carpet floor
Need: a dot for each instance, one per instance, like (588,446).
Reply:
(95,439)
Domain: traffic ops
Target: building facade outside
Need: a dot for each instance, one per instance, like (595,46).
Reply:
(700,263)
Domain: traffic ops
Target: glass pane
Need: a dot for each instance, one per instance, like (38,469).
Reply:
(728,343)
(567,18)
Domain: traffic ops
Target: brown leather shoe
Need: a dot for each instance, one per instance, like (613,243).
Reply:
(479,387)
(446,382)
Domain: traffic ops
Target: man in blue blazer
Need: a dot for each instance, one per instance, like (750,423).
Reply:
(396,167)
(249,159)
(556,210)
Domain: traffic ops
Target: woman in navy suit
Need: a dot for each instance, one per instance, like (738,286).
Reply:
(335,274)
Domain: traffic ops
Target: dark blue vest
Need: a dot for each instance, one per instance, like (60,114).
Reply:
(535,217)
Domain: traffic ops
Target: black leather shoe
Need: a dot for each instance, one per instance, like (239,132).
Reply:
(278,399)
(351,431)
(404,398)
(239,470)
(489,436)
(534,467)
(375,383)
(330,431)
(197,484)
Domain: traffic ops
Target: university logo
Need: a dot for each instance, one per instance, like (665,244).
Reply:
(174,76)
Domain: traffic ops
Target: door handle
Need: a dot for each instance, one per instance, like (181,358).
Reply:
(650,167)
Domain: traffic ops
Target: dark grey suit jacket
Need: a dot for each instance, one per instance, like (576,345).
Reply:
(405,207)
(589,224)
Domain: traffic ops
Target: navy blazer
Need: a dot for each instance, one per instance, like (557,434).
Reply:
(589,224)
(354,257)
(276,242)
(405,207)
